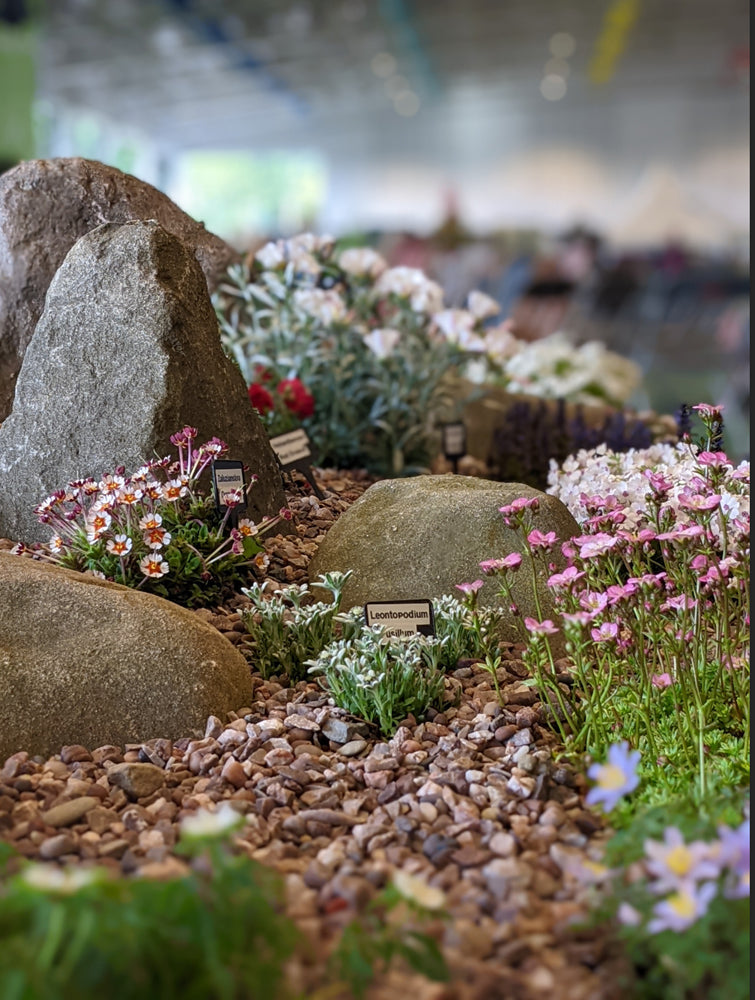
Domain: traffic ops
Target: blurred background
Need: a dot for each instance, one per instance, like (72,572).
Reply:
(587,163)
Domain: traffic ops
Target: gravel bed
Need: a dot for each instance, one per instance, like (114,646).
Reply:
(470,799)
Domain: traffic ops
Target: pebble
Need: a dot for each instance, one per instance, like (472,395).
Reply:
(469,800)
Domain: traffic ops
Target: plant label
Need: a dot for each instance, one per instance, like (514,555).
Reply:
(291,448)
(401,618)
(228,477)
(454,440)
(293,451)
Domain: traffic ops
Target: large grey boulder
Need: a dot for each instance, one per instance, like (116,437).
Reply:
(45,206)
(418,538)
(126,353)
(83,661)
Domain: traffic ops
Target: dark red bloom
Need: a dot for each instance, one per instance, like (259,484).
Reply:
(298,400)
(262,374)
(260,398)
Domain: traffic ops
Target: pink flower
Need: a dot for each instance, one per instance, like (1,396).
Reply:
(538,540)
(680,603)
(713,459)
(540,628)
(569,576)
(661,681)
(521,503)
(511,561)
(706,410)
(577,617)
(680,534)
(658,483)
(593,601)
(606,632)
(699,501)
(470,588)
(595,545)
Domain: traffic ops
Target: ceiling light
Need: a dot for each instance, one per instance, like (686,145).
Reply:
(562,45)
(557,67)
(383,64)
(396,85)
(406,103)
(553,87)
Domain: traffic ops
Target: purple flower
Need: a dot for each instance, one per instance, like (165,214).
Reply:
(734,854)
(713,459)
(616,778)
(682,908)
(540,628)
(671,862)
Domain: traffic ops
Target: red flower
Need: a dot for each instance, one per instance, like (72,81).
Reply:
(262,374)
(297,399)
(260,398)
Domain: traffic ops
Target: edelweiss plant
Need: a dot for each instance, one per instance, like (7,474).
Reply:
(287,629)
(370,343)
(382,679)
(155,529)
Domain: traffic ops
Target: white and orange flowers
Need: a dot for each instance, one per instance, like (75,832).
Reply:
(154,565)
(121,545)
(96,524)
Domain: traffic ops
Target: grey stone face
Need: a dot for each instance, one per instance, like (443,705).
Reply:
(126,353)
(45,206)
(87,662)
(418,538)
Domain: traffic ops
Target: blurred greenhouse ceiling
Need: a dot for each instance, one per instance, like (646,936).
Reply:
(451,79)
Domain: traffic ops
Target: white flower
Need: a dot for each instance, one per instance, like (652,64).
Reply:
(205,823)
(55,544)
(500,342)
(272,255)
(457,325)
(482,306)
(417,891)
(411,283)
(381,342)
(63,881)
(327,306)
(362,261)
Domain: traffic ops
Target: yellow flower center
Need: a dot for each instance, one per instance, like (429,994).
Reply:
(611,777)
(679,860)
(682,904)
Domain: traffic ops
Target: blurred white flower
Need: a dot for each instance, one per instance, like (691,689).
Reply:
(458,326)
(272,255)
(204,823)
(325,305)
(424,295)
(362,261)
(482,306)
(64,881)
(417,891)
(500,342)
(381,342)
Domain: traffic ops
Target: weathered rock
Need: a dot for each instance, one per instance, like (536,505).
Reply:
(137,780)
(418,538)
(45,207)
(83,661)
(69,812)
(126,353)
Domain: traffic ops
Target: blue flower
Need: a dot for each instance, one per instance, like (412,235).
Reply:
(614,779)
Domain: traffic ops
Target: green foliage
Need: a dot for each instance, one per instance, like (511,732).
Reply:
(284,631)
(383,679)
(303,316)
(216,933)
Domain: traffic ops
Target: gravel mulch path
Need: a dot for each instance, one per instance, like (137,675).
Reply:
(471,799)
